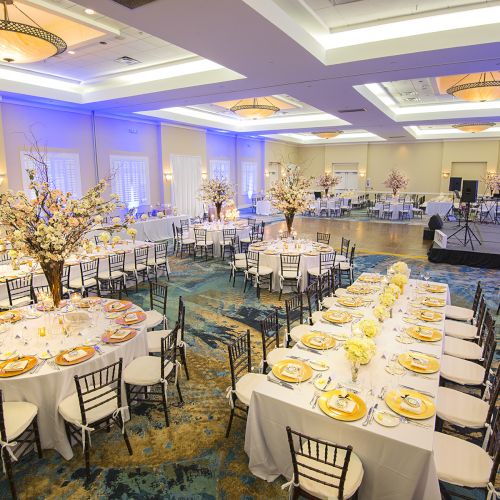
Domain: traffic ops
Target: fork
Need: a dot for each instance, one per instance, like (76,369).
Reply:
(314,400)
(413,422)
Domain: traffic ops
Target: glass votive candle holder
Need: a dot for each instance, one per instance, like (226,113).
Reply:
(42,331)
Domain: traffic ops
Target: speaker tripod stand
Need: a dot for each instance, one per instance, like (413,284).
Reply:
(468,232)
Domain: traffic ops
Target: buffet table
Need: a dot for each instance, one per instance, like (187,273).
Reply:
(48,386)
(398,461)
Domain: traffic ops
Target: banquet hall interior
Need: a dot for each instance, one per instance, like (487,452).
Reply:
(250,249)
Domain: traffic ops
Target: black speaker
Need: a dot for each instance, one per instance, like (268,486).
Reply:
(455,184)
(469,191)
(435,222)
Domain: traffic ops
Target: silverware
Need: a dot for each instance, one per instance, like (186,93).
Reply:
(372,416)
(417,390)
(413,422)
(383,390)
(38,367)
(368,416)
(425,353)
(317,395)
(307,349)
(419,375)
(279,382)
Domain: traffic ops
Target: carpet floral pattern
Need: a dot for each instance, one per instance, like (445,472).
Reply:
(192,459)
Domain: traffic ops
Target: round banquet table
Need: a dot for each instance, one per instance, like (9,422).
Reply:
(331,203)
(395,208)
(309,251)
(101,253)
(215,232)
(48,386)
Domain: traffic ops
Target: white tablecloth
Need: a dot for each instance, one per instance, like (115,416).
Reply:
(398,462)
(438,207)
(215,233)
(48,387)
(395,209)
(264,207)
(331,203)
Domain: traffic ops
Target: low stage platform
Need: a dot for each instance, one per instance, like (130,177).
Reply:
(486,254)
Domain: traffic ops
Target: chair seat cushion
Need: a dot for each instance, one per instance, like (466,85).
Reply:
(114,275)
(240,256)
(353,478)
(460,462)
(77,283)
(461,371)
(153,318)
(463,349)
(157,262)
(239,264)
(340,258)
(290,275)
(17,415)
(187,241)
(154,339)
(341,292)
(314,271)
(263,270)
(298,331)
(69,408)
(458,313)
(460,408)
(276,355)
(329,302)
(145,370)
(246,385)
(204,243)
(344,266)
(459,329)
(22,301)
(132,267)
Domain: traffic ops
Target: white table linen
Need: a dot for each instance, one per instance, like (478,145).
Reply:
(48,387)
(395,209)
(215,232)
(398,462)
(264,207)
(438,207)
(331,203)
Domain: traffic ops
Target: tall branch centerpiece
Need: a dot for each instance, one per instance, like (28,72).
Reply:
(492,183)
(51,225)
(216,192)
(396,181)
(328,181)
(290,194)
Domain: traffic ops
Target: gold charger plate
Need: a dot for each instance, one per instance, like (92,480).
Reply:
(11,316)
(350,301)
(140,317)
(405,360)
(311,254)
(305,370)
(271,252)
(370,278)
(433,302)
(360,289)
(87,302)
(358,412)
(108,339)
(118,306)
(394,398)
(414,331)
(61,361)
(337,316)
(32,361)
(326,341)
(429,316)
(435,288)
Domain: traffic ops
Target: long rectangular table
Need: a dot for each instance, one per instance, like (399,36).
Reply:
(398,462)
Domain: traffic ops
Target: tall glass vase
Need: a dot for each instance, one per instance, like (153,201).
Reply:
(289,222)
(218,208)
(53,270)
(354,371)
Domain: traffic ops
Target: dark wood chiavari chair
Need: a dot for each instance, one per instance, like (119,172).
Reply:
(159,259)
(255,272)
(19,292)
(326,262)
(313,303)
(269,329)
(290,272)
(323,238)
(228,241)
(113,279)
(139,267)
(202,243)
(157,314)
(294,308)
(87,281)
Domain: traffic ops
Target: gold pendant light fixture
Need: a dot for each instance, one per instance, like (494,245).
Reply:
(479,87)
(473,127)
(328,134)
(256,108)
(26,43)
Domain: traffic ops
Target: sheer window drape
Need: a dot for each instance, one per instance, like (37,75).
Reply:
(186,172)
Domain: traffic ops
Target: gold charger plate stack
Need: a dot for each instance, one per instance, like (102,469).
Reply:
(350,301)
(360,289)
(395,397)
(405,359)
(59,359)
(429,316)
(11,316)
(358,412)
(317,340)
(304,370)
(370,278)
(433,302)
(337,316)
(432,288)
(32,361)
(415,332)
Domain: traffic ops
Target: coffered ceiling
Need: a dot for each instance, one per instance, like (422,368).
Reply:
(363,66)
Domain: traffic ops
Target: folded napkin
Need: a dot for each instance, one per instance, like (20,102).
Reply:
(131,318)
(120,334)
(427,314)
(424,332)
(318,341)
(292,371)
(15,366)
(343,404)
(418,362)
(74,355)
(117,306)
(412,404)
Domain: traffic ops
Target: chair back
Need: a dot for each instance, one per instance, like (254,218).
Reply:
(351,258)
(323,204)
(228,236)
(168,353)
(158,297)
(344,246)
(99,388)
(312,298)
(96,239)
(252,259)
(116,263)
(3,432)
(4,258)
(326,261)
(240,357)
(294,308)
(141,256)
(289,263)
(406,207)
(19,288)
(181,318)
(200,236)
(161,251)
(493,447)
(486,326)
(284,235)
(174,230)
(319,461)
(184,225)
(477,297)
(269,329)
(89,270)
(40,289)
(490,347)
(493,395)
(65,276)
(323,238)
(326,284)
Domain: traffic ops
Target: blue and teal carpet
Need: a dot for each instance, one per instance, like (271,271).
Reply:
(192,459)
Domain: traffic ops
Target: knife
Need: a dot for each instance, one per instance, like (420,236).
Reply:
(372,416)
(425,353)
(417,390)
(368,416)
(278,382)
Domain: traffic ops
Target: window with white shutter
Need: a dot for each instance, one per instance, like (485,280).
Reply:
(248,178)
(64,172)
(130,179)
(220,169)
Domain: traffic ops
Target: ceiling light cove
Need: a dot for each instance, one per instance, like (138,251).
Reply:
(473,127)
(460,131)
(311,138)
(476,88)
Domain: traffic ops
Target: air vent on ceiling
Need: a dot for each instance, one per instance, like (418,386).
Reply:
(133,4)
(353,110)
(127,60)
(342,2)
(397,137)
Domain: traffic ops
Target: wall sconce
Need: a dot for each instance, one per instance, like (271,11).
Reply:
(361,173)
(2,177)
(204,176)
(266,173)
(168,176)
(446,174)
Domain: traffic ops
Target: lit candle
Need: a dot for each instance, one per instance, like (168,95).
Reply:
(41,331)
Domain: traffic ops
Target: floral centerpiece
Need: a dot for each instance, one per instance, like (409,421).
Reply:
(216,191)
(51,226)
(290,194)
(132,232)
(232,213)
(359,350)
(14,255)
(401,268)
(328,181)
(381,313)
(387,299)
(399,280)
(492,183)
(394,289)
(396,181)
(368,328)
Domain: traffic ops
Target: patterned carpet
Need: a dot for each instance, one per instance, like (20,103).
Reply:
(192,459)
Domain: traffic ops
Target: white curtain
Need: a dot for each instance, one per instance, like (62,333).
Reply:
(186,173)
